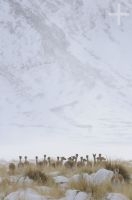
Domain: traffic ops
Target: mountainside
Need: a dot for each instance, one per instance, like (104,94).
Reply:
(66,68)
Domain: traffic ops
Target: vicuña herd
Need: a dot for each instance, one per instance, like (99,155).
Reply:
(70,162)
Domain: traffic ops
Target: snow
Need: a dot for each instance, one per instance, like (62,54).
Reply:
(61,179)
(116,196)
(27,194)
(30,194)
(65,73)
(76,195)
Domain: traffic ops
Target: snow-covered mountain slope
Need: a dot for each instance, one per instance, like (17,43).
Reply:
(65,68)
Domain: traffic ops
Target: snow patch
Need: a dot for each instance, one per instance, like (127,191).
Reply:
(27,194)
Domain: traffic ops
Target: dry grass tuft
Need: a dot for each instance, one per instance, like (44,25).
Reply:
(125,189)
(3,171)
(37,175)
(88,169)
(56,192)
(81,185)
(97,191)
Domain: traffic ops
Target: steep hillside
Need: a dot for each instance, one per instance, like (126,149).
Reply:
(65,68)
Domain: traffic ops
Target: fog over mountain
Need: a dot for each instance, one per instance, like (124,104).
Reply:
(65,77)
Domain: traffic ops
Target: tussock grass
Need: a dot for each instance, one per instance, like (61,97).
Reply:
(96,191)
(67,171)
(99,191)
(3,171)
(88,169)
(81,185)
(6,186)
(56,192)
(77,170)
(37,175)
(125,189)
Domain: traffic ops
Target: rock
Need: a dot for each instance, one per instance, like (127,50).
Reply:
(99,177)
(102,175)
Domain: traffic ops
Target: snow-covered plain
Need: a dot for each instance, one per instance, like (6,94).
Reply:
(65,78)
